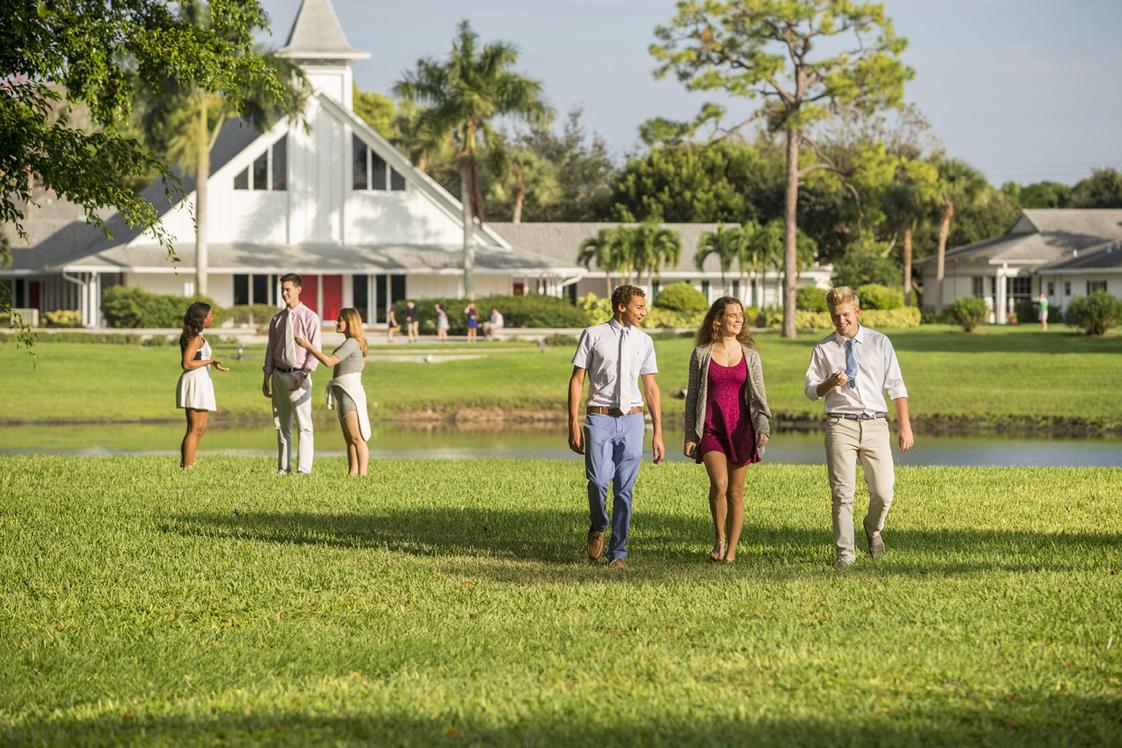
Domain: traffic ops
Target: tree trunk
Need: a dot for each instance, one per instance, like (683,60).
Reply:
(469,227)
(908,265)
(202,169)
(519,198)
(941,252)
(790,218)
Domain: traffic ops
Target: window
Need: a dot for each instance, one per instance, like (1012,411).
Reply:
(705,290)
(979,286)
(1051,288)
(254,289)
(269,170)
(359,286)
(736,289)
(369,171)
(1093,286)
(1067,288)
(1019,287)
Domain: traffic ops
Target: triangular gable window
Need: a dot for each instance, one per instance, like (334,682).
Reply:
(269,171)
(370,172)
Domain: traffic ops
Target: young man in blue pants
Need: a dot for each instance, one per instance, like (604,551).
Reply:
(617,355)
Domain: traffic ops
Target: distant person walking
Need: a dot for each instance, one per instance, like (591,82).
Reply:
(441,323)
(1043,302)
(472,314)
(852,367)
(391,324)
(195,391)
(616,354)
(288,375)
(412,322)
(727,419)
(345,388)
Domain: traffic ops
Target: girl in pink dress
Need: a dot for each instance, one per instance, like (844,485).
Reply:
(727,419)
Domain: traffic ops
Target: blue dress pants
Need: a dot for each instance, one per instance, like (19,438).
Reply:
(613,451)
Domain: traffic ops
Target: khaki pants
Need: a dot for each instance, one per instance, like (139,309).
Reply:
(287,403)
(846,442)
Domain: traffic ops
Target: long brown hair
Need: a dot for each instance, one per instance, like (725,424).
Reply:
(712,322)
(193,323)
(354,330)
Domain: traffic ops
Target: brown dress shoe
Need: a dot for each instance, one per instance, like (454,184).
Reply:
(617,563)
(594,547)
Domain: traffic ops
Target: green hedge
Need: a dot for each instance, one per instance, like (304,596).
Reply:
(876,296)
(810,299)
(876,318)
(128,306)
(532,310)
(257,315)
(681,297)
(1095,313)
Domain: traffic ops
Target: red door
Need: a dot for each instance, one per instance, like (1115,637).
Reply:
(309,295)
(33,288)
(332,297)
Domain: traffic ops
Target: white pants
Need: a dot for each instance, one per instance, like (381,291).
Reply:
(846,443)
(286,403)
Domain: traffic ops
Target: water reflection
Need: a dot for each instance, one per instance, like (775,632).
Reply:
(447,443)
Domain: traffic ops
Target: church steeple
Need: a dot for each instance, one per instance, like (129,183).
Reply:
(319,46)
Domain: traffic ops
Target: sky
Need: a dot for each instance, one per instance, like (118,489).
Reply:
(1025,90)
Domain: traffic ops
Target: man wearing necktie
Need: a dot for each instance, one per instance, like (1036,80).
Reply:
(288,375)
(615,355)
(852,368)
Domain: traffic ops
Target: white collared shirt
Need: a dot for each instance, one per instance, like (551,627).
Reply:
(598,353)
(877,371)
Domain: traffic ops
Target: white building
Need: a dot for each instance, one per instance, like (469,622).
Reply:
(1063,252)
(333,201)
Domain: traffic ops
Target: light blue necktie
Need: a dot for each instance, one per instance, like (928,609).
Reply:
(851,362)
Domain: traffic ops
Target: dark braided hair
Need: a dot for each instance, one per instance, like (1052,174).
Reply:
(193,323)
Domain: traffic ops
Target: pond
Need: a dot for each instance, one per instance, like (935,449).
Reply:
(451,443)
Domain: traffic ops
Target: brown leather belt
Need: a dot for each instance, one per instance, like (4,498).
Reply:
(601,411)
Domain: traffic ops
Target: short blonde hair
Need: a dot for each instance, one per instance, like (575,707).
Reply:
(842,295)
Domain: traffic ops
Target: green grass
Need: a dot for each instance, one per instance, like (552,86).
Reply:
(1017,376)
(446,603)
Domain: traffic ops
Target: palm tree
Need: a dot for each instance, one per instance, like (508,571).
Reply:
(521,172)
(749,261)
(651,245)
(184,121)
(959,184)
(726,244)
(610,251)
(908,199)
(768,245)
(462,96)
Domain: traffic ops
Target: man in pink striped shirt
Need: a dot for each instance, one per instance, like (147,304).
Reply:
(288,375)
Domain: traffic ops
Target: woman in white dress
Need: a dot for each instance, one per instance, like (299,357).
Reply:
(195,391)
(441,323)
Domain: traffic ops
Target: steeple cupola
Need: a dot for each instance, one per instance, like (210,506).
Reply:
(318,45)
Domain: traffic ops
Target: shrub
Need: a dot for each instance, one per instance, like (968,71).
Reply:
(969,311)
(876,296)
(681,297)
(1095,313)
(808,321)
(908,316)
(597,309)
(810,299)
(753,316)
(657,317)
(253,315)
(129,306)
(532,310)
(560,340)
(64,318)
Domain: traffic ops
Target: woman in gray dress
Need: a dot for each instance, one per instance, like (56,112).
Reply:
(345,387)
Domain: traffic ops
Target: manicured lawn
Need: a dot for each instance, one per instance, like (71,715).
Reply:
(447,604)
(996,375)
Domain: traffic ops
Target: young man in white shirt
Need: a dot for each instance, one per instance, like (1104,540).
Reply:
(616,354)
(852,368)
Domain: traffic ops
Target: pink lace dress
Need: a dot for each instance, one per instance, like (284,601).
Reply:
(728,425)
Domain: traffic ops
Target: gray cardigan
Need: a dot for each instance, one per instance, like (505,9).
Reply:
(755,396)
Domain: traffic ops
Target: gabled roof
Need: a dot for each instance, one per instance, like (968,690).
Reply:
(73,239)
(317,35)
(245,257)
(1042,236)
(1105,257)
(562,241)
